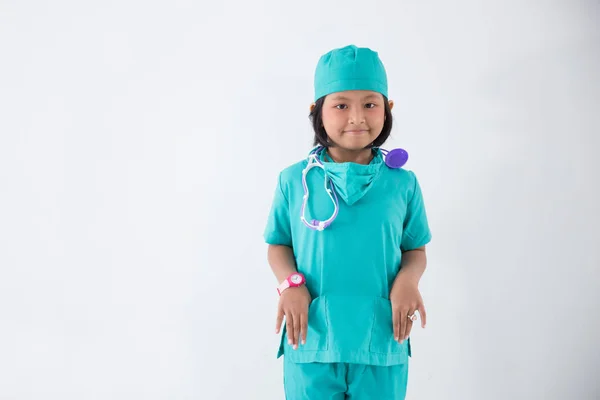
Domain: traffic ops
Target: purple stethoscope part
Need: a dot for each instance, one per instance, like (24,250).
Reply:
(395,159)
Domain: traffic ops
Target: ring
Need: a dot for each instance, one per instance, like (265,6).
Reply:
(412,317)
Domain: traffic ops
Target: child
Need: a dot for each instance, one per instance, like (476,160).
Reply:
(347,233)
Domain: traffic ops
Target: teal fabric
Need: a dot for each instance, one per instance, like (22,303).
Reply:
(350,68)
(352,181)
(340,381)
(350,266)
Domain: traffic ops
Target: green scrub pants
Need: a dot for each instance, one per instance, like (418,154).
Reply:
(340,381)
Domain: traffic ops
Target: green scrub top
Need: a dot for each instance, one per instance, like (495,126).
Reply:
(351,265)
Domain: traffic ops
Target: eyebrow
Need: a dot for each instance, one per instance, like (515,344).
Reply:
(341,97)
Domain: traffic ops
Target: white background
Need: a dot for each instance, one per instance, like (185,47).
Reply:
(139,148)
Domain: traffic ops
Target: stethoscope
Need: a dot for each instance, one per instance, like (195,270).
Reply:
(395,159)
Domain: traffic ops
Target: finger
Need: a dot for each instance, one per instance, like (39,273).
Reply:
(423,315)
(304,327)
(279,319)
(409,324)
(289,324)
(403,321)
(396,324)
(297,324)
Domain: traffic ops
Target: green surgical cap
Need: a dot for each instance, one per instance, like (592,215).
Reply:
(350,68)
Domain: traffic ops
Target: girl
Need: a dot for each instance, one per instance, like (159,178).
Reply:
(347,232)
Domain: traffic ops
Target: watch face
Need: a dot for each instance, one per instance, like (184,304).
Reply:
(296,279)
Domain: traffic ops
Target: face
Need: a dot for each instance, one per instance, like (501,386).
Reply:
(353,119)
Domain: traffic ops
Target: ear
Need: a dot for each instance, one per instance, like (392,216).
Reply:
(312,106)
(391,103)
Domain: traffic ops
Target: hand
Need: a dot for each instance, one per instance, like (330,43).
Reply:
(405,299)
(293,303)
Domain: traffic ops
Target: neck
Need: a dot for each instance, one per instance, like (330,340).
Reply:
(339,155)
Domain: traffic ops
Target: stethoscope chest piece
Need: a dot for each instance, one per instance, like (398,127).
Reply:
(395,158)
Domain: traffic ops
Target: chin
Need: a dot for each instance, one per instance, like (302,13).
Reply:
(355,145)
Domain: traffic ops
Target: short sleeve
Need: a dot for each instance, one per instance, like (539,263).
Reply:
(278,229)
(416,231)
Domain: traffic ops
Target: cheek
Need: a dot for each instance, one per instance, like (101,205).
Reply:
(376,123)
(331,120)
(378,117)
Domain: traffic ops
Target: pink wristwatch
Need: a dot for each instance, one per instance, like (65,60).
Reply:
(294,280)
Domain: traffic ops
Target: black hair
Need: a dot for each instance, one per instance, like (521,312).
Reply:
(316,118)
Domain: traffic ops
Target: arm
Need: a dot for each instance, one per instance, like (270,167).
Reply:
(282,261)
(413,266)
(405,296)
(293,302)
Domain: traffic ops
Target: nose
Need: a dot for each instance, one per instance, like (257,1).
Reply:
(357,114)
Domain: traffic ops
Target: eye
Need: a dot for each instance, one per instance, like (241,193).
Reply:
(341,105)
(371,104)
